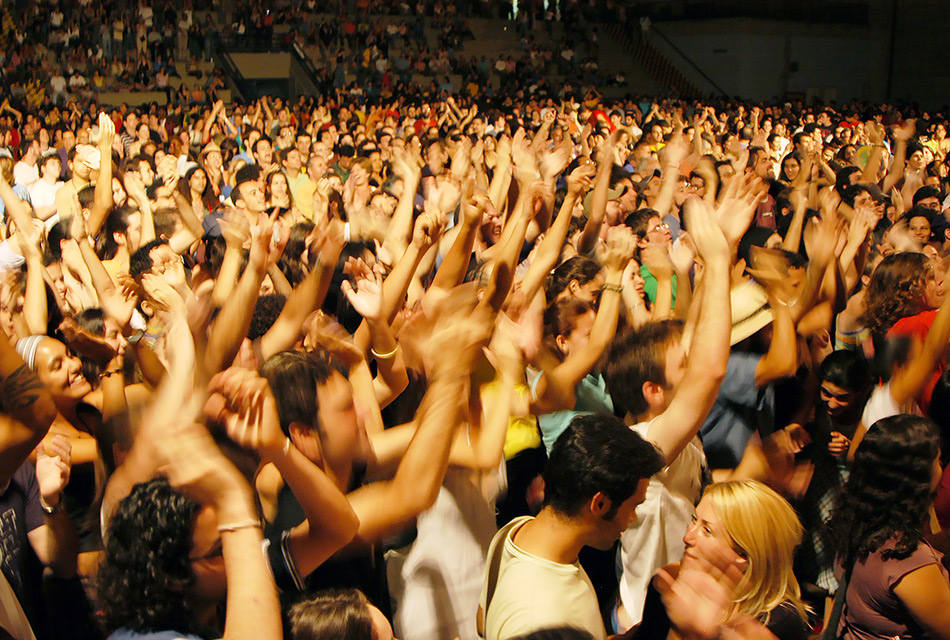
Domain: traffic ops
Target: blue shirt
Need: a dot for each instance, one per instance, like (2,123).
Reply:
(740,410)
(591,397)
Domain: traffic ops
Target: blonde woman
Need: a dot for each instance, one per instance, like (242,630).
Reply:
(763,529)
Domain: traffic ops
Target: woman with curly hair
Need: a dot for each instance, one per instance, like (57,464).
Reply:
(898,587)
(904,285)
(762,528)
(902,300)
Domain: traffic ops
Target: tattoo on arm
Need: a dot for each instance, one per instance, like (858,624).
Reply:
(18,390)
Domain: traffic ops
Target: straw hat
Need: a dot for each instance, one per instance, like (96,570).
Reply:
(211,146)
(750,310)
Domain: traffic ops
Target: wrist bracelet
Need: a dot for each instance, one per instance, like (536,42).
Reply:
(110,373)
(618,288)
(247,524)
(48,510)
(385,356)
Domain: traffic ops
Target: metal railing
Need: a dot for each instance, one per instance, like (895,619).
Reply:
(689,61)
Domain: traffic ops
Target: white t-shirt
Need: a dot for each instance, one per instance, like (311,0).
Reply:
(25,174)
(43,194)
(9,259)
(533,593)
(656,538)
(436,593)
(881,404)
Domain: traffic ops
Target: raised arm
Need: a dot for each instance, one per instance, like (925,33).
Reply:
(27,410)
(547,254)
(453,346)
(555,389)
(672,430)
(307,297)
(102,201)
(598,200)
(910,381)
(195,466)
(232,324)
(330,522)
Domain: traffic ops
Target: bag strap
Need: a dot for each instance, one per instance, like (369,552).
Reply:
(494,561)
(830,632)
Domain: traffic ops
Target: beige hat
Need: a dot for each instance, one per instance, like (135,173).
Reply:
(211,146)
(750,310)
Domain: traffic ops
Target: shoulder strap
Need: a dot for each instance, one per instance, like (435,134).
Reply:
(830,632)
(494,560)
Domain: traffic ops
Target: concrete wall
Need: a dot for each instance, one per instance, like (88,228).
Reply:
(262,65)
(901,54)
(762,59)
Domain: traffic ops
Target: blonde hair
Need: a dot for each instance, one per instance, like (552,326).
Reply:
(766,530)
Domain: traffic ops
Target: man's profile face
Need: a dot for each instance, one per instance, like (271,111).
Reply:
(610,529)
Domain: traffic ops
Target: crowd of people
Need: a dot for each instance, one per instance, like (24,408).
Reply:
(74,51)
(456,365)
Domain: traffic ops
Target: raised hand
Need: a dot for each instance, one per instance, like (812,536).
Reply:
(770,269)
(162,296)
(428,229)
(242,401)
(267,241)
(905,131)
(580,179)
(707,235)
(737,208)
(555,161)
(106,133)
(168,171)
(328,334)
(657,260)
(53,464)
(367,297)
(621,245)
(194,465)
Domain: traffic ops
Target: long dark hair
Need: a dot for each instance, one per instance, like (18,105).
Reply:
(888,493)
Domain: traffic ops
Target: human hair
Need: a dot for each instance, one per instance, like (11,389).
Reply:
(794,155)
(597,453)
(86,196)
(93,320)
(141,261)
(293,377)
(331,615)
(116,222)
(577,268)
(639,221)
(926,192)
(766,530)
(847,369)
(557,633)
(266,311)
(145,571)
(560,318)
(888,492)
(638,356)
(896,291)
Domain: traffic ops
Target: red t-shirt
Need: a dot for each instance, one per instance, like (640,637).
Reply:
(919,326)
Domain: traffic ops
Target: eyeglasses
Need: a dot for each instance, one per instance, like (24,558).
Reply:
(659,227)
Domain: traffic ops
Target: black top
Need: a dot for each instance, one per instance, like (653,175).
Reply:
(784,620)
